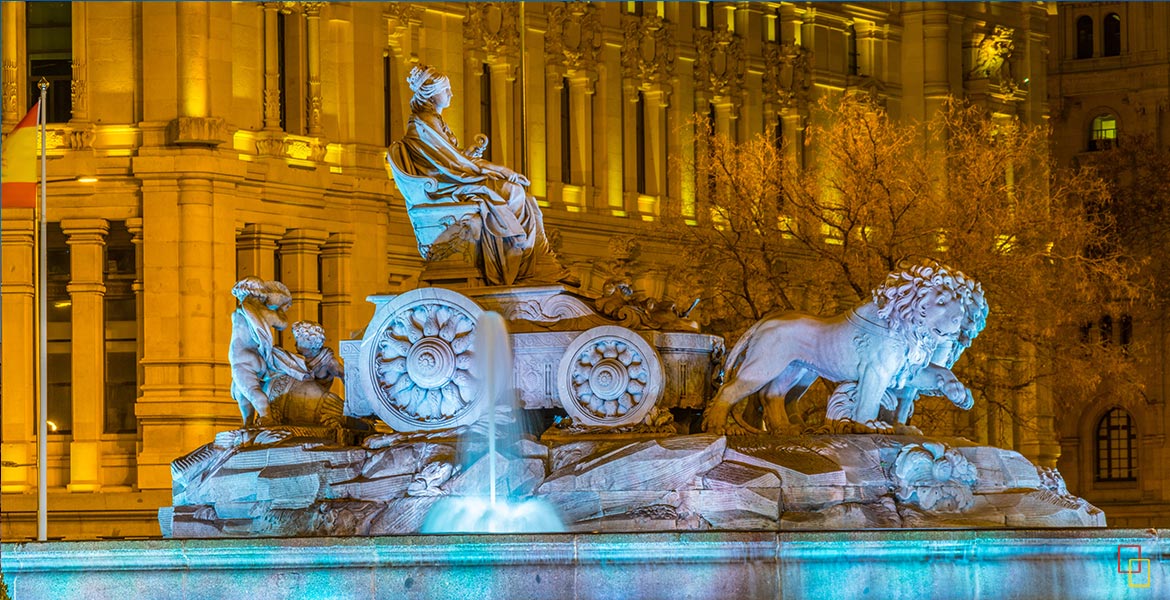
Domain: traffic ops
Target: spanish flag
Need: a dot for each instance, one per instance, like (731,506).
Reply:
(18,174)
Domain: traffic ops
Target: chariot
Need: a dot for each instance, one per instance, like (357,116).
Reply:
(413,366)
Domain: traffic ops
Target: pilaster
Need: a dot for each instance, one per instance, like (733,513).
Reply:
(256,250)
(18,352)
(336,286)
(299,251)
(78,91)
(12,20)
(272,97)
(87,290)
(188,267)
(134,226)
(313,49)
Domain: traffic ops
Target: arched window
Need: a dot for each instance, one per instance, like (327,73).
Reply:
(1084,36)
(1111,36)
(1116,447)
(1103,133)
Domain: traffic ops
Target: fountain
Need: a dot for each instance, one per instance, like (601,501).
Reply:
(330,494)
(492,514)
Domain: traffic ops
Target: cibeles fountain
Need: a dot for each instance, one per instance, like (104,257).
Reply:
(499,329)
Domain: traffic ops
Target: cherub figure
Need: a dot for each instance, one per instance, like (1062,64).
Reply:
(319,358)
(254,358)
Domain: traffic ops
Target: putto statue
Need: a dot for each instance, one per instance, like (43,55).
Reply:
(882,352)
(262,306)
(458,200)
(272,385)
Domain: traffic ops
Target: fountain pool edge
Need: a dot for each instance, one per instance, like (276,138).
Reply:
(1023,563)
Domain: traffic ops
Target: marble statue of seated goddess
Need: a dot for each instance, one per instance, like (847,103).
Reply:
(513,246)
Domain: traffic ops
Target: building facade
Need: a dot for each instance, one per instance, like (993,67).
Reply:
(247,138)
(1108,78)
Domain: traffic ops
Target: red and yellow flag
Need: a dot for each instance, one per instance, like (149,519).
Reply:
(18,174)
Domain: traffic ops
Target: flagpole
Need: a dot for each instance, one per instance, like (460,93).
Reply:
(43,339)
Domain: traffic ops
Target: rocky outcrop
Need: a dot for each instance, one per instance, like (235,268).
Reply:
(291,484)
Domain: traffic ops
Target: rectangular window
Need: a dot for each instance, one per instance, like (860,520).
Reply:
(485,108)
(121,331)
(49,47)
(566,134)
(640,141)
(387,101)
(60,332)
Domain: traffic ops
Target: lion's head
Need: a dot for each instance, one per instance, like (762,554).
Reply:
(929,303)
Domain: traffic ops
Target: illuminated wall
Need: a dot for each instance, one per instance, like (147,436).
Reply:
(1109,77)
(231,139)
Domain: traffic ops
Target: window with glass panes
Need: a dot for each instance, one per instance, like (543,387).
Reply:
(1116,447)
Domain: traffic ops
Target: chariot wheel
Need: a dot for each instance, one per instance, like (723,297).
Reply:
(609,376)
(419,358)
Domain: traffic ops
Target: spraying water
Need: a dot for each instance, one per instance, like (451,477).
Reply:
(493,513)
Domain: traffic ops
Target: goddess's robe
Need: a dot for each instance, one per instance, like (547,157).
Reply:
(513,243)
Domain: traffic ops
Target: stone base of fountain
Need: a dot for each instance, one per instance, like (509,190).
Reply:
(1070,564)
(246,486)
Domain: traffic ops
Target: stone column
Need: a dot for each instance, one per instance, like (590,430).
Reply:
(299,250)
(134,226)
(630,108)
(581,88)
(504,123)
(657,103)
(256,251)
(193,26)
(313,49)
(272,97)
(13,18)
(87,291)
(18,352)
(336,286)
(195,125)
(188,268)
(554,84)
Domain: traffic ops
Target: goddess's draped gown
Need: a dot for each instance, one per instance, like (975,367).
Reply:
(513,243)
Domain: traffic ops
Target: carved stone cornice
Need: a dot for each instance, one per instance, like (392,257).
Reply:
(648,49)
(493,28)
(574,37)
(720,62)
(787,74)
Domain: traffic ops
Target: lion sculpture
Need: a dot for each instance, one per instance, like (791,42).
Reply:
(883,353)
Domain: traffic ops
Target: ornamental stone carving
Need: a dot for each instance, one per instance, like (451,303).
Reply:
(787,74)
(420,361)
(991,56)
(9,93)
(648,49)
(609,376)
(720,62)
(934,478)
(77,89)
(492,28)
(574,37)
(399,17)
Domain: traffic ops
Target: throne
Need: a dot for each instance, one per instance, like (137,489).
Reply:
(447,229)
